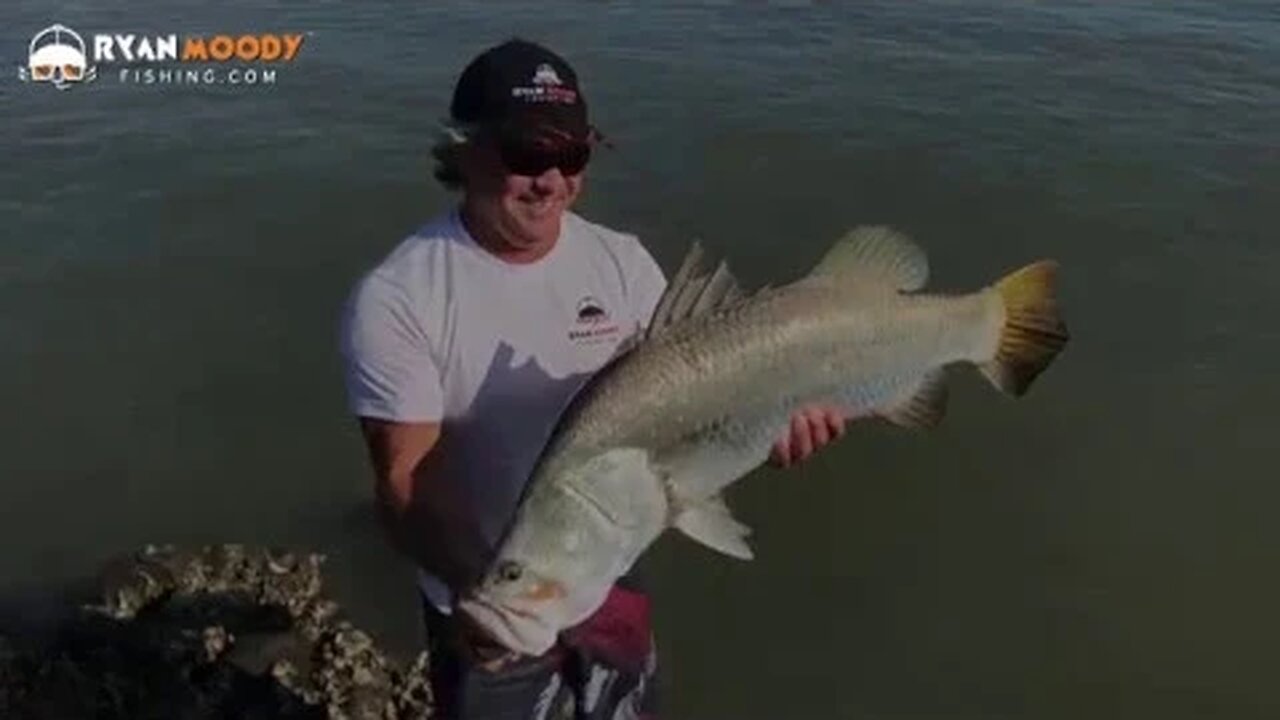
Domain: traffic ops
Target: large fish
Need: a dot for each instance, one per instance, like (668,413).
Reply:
(698,402)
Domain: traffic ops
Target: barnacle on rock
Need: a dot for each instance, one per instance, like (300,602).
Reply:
(205,627)
(216,641)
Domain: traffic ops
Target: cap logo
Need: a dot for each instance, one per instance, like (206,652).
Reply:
(545,87)
(546,75)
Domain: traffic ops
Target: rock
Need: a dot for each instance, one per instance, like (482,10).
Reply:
(214,632)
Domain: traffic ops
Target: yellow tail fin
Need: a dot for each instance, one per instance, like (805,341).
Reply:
(1033,334)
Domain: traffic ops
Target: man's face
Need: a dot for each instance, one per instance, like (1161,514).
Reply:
(524,211)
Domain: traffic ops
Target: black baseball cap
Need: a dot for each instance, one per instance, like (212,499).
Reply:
(522,90)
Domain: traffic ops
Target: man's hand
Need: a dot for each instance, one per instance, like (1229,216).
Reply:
(812,427)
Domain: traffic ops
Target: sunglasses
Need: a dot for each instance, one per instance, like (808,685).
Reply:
(532,159)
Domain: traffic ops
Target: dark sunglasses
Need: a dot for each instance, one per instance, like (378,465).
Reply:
(523,158)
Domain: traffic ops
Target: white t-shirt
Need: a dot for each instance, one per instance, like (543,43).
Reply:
(444,331)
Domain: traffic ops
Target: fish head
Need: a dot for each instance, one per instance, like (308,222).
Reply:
(518,607)
(570,542)
(546,577)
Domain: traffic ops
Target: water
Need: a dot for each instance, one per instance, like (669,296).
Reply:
(172,260)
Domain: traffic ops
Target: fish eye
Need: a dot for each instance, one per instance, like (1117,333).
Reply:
(510,571)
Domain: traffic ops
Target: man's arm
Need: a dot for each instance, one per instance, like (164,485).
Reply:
(394,389)
(417,522)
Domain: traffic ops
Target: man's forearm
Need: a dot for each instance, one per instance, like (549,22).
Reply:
(438,541)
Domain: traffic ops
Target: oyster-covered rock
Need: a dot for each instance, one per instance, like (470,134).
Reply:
(218,631)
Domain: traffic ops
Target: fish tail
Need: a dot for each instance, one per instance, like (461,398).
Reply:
(1032,334)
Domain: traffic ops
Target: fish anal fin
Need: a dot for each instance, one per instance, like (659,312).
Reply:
(711,523)
(875,256)
(694,290)
(925,407)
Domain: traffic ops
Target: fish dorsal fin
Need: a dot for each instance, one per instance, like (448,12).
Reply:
(694,290)
(712,524)
(877,256)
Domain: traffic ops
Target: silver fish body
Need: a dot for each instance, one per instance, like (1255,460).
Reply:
(656,437)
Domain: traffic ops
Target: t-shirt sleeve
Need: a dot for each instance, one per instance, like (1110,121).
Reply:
(389,370)
(647,285)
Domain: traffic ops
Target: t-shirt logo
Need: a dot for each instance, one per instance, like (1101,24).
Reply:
(593,324)
(591,311)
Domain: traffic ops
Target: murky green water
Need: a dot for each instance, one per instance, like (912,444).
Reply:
(172,260)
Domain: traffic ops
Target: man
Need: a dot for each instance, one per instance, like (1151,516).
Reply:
(464,345)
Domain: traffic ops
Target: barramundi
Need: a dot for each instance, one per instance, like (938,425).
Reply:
(698,402)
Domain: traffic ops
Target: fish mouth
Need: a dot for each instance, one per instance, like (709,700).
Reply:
(514,628)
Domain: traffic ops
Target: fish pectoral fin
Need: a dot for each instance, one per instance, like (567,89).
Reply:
(875,257)
(924,407)
(711,523)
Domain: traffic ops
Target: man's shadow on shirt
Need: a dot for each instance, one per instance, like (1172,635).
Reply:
(468,487)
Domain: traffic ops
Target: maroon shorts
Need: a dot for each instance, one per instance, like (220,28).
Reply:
(604,668)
